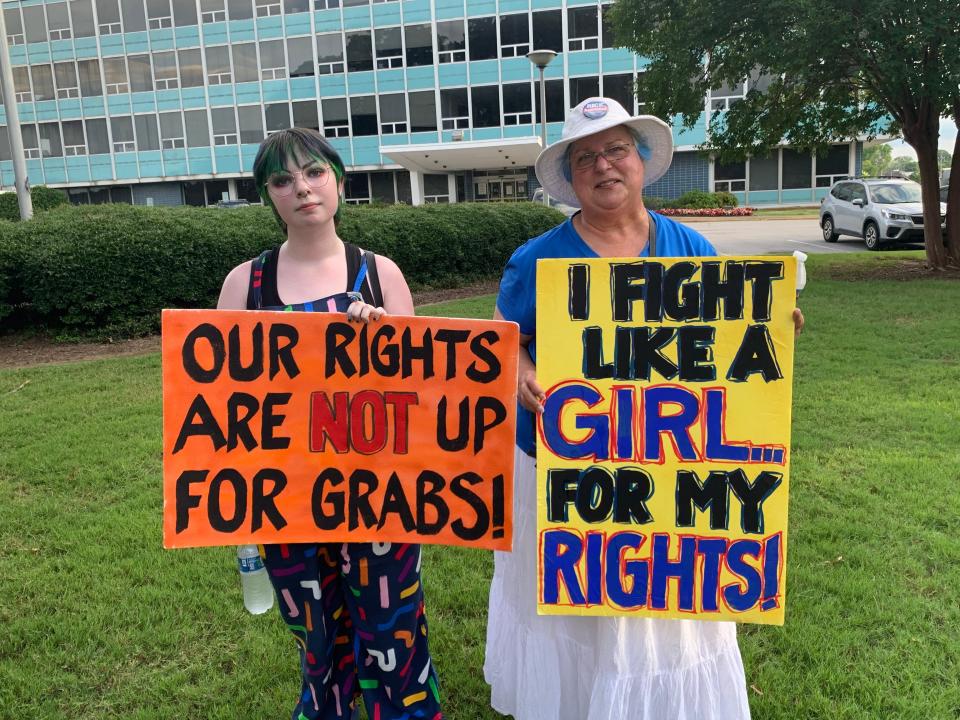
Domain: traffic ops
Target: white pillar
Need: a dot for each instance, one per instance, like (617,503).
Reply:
(416,187)
(231,189)
(452,187)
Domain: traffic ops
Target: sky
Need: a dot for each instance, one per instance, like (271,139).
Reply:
(948,136)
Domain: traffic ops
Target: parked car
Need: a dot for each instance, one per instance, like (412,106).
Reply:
(879,210)
(562,207)
(232,204)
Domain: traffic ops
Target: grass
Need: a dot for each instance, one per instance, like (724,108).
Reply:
(802,212)
(100,622)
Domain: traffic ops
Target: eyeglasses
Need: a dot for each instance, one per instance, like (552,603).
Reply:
(612,154)
(281,183)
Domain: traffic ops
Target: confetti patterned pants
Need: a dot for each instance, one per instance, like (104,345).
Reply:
(356,612)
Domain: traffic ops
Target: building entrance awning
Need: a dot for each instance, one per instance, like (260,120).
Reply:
(460,155)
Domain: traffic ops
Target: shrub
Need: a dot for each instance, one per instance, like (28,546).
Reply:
(108,270)
(44,198)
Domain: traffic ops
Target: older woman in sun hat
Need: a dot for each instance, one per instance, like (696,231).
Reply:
(573,668)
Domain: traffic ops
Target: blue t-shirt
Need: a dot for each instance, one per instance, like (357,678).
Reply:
(517,298)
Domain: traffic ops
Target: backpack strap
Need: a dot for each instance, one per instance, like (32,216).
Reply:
(373,279)
(362,275)
(255,286)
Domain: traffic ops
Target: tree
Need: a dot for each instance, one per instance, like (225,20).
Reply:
(906,165)
(876,159)
(944,158)
(818,71)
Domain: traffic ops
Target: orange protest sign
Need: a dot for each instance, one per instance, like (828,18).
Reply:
(302,427)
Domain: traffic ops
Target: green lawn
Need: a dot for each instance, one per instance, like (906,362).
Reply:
(787,212)
(100,622)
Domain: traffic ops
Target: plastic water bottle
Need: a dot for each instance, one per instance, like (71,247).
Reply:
(801,271)
(257,591)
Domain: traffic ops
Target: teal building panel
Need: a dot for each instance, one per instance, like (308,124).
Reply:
(507,6)
(583,62)
(741,198)
(35,172)
(188,36)
(69,109)
(415,11)
(161,39)
(513,131)
(29,113)
(247,154)
(695,136)
(93,106)
(42,111)
(451,74)
(220,94)
(385,14)
(250,92)
(554,71)
(554,131)
(476,8)
(273,91)
(303,88)
(228,159)
(111,45)
(54,170)
(581,2)
(168,100)
(355,18)
(215,33)
(38,53)
(423,138)
(136,42)
(491,133)
(241,30)
(344,149)
(763,197)
(143,102)
(78,169)
(326,20)
(200,161)
(447,135)
(544,4)
(269,28)
(820,193)
(366,151)
(18,55)
(194,97)
(616,60)
(516,69)
(361,83)
(389,81)
(151,164)
(3,115)
(61,50)
(119,104)
(797,195)
(85,48)
(396,139)
(127,168)
(450,10)
(174,162)
(6,174)
(333,85)
(101,168)
(484,72)
(420,78)
(299,24)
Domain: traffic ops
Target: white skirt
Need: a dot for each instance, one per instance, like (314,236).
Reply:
(543,667)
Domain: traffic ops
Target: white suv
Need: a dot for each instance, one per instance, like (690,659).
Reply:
(877,209)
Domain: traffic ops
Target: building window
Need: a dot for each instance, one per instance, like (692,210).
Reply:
(336,119)
(34,24)
(31,142)
(141,78)
(620,88)
(359,51)
(389,47)
(89,72)
(165,70)
(483,38)
(393,114)
(171,131)
(43,88)
(454,109)
(582,88)
(355,3)
(81,12)
(115,74)
(159,15)
(300,57)
(250,120)
(98,142)
(73,141)
(833,166)
(363,115)
(108,17)
(239,9)
(725,96)
(21,83)
(514,35)
(224,125)
(277,117)
(582,28)
(273,64)
(291,7)
(11,17)
(212,11)
(423,111)
(517,108)
(245,67)
(764,173)
(606,30)
(556,107)
(486,106)
(305,115)
(197,128)
(548,30)
(191,68)
(451,41)
(218,66)
(325,4)
(193,194)
(122,130)
(797,169)
(65,74)
(58,20)
(329,54)
(50,143)
(419,40)
(381,187)
(357,188)
(133,18)
(148,137)
(731,177)
(266,8)
(184,12)
(436,189)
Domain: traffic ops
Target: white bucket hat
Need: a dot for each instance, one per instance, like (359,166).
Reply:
(595,115)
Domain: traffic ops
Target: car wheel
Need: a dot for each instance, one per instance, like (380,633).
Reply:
(828,234)
(871,236)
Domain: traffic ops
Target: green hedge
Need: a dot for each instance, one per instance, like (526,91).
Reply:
(44,198)
(693,199)
(108,270)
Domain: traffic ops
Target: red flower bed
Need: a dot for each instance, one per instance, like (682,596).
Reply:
(707,212)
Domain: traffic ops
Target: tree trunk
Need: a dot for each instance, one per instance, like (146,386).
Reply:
(953,195)
(923,136)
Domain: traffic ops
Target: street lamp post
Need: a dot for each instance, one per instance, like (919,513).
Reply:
(13,127)
(542,58)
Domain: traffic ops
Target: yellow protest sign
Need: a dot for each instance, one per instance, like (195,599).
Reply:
(663,453)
